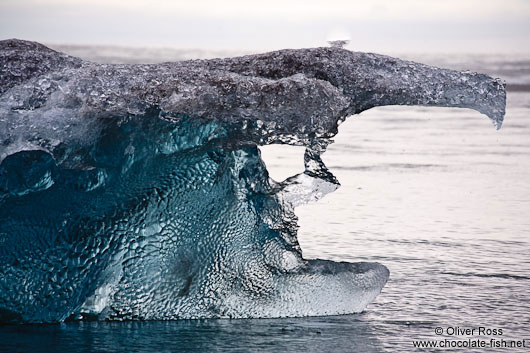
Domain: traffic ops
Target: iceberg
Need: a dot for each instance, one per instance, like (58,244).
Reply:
(137,192)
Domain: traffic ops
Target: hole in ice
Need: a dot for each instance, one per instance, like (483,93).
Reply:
(279,160)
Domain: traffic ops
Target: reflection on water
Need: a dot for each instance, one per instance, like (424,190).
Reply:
(328,334)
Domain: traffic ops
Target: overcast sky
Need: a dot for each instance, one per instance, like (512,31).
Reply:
(377,25)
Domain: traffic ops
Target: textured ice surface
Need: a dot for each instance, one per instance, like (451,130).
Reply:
(138,191)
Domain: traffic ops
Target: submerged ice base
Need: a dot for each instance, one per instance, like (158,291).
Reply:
(138,191)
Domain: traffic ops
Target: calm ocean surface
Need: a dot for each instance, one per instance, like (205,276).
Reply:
(435,194)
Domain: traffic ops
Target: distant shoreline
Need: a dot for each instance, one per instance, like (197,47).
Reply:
(514,87)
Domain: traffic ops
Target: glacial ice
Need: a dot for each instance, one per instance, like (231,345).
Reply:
(138,191)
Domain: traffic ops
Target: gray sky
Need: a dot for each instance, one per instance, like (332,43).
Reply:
(377,25)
